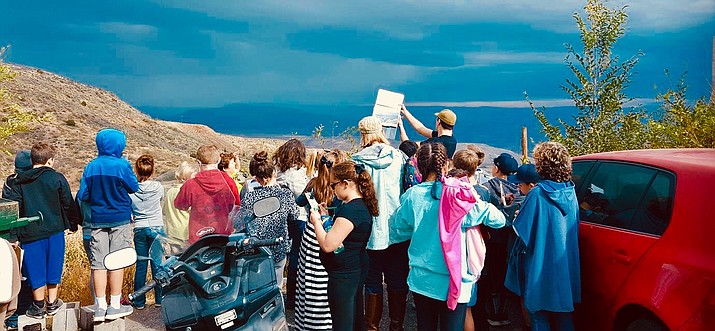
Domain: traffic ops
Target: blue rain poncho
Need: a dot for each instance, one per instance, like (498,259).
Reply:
(545,269)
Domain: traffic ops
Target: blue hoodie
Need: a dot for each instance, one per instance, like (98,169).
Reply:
(107,182)
(546,272)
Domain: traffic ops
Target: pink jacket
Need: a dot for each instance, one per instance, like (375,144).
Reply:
(456,201)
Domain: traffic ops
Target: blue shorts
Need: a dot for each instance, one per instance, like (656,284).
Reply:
(44,259)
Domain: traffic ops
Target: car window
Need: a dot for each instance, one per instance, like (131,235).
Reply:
(580,170)
(654,212)
(613,194)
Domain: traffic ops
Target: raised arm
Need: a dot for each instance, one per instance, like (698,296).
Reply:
(403,133)
(416,124)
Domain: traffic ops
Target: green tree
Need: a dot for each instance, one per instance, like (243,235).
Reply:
(598,88)
(682,124)
(13,120)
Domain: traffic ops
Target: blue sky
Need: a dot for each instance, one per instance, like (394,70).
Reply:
(200,53)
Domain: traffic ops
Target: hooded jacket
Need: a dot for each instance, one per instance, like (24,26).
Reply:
(384,163)
(417,219)
(11,190)
(548,226)
(107,182)
(496,186)
(209,196)
(46,191)
(146,204)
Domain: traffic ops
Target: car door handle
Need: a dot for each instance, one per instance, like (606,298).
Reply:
(621,257)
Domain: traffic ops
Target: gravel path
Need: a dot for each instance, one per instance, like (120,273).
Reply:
(149,319)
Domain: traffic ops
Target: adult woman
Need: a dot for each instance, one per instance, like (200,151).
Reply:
(548,218)
(262,217)
(347,266)
(290,161)
(384,164)
(312,311)
(418,218)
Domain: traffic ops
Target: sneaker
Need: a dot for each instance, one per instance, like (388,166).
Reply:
(53,308)
(10,325)
(99,315)
(138,307)
(157,305)
(36,311)
(114,313)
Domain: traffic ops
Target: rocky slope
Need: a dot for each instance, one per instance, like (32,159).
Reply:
(75,112)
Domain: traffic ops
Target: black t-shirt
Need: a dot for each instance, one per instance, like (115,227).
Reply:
(449,142)
(354,257)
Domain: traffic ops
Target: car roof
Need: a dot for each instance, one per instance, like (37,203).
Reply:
(677,160)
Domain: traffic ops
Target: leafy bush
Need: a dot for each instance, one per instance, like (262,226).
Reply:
(602,123)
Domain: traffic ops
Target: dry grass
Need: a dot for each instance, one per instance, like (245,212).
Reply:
(75,279)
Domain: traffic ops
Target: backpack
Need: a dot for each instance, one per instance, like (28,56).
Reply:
(409,176)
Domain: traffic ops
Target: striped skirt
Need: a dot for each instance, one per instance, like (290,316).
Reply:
(311,299)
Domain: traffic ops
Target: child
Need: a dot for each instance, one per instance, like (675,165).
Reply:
(347,267)
(418,218)
(548,218)
(410,175)
(106,184)
(525,178)
(506,197)
(210,187)
(231,165)
(268,223)
(312,310)
(290,161)
(469,160)
(148,224)
(45,191)
(176,221)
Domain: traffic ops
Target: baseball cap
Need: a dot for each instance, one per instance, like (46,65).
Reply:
(506,163)
(23,161)
(525,174)
(447,116)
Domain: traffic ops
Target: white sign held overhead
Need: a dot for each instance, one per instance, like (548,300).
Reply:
(387,108)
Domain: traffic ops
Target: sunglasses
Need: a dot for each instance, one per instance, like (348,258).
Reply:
(332,185)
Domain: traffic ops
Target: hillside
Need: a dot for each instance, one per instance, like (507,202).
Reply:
(75,112)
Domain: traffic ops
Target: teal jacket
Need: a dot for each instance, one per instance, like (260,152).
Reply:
(384,163)
(417,219)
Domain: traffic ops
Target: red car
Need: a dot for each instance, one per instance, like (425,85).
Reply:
(647,239)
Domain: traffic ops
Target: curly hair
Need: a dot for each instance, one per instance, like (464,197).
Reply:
(290,154)
(226,159)
(431,159)
(321,184)
(348,170)
(144,167)
(260,167)
(552,161)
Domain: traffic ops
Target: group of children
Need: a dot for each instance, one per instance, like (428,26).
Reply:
(419,219)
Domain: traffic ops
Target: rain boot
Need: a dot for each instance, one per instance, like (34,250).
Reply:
(373,310)
(397,302)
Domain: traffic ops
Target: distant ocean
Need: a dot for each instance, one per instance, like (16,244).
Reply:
(496,127)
